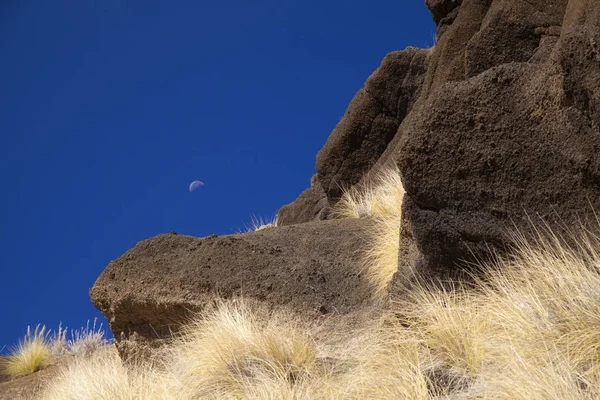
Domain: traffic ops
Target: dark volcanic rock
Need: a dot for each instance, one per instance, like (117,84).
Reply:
(502,126)
(371,121)
(151,290)
(311,205)
(506,128)
(499,122)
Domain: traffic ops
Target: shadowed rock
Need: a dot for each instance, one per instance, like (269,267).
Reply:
(371,121)
(501,124)
(506,128)
(151,290)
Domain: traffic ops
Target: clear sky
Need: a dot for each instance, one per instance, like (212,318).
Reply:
(110,108)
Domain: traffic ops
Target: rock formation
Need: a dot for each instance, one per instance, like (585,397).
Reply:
(151,290)
(499,124)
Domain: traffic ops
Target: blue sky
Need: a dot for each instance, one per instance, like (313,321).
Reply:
(110,108)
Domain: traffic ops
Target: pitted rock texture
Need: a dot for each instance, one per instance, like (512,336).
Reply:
(511,137)
(311,205)
(501,129)
(371,121)
(361,136)
(154,288)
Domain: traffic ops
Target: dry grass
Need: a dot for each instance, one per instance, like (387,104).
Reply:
(87,339)
(389,365)
(101,376)
(379,197)
(232,348)
(455,330)
(31,354)
(258,224)
(381,254)
(529,329)
(41,346)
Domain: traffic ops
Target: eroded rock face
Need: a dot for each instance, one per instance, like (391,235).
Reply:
(502,126)
(443,12)
(311,205)
(512,133)
(150,291)
(371,121)
(496,125)
(362,135)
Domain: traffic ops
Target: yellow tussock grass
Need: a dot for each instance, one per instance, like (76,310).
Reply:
(527,329)
(258,224)
(231,348)
(102,376)
(31,354)
(379,197)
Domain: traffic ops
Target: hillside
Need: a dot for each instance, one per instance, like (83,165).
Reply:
(447,247)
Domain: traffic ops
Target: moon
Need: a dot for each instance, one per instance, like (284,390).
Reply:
(195,185)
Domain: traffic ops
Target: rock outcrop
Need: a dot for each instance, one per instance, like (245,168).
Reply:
(506,128)
(497,124)
(152,289)
(311,205)
(362,135)
(502,125)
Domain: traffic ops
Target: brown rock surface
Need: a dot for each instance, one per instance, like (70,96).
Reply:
(371,121)
(27,387)
(504,128)
(499,122)
(151,290)
(502,123)
(362,135)
(311,205)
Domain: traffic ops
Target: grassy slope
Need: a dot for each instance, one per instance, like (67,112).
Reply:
(529,329)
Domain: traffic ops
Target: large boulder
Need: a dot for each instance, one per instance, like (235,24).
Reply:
(151,290)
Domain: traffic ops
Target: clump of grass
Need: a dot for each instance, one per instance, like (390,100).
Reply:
(389,365)
(258,224)
(231,348)
(102,376)
(379,197)
(455,330)
(40,346)
(31,354)
(87,340)
(58,341)
(381,254)
(527,330)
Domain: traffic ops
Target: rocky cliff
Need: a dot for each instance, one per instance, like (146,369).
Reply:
(496,124)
